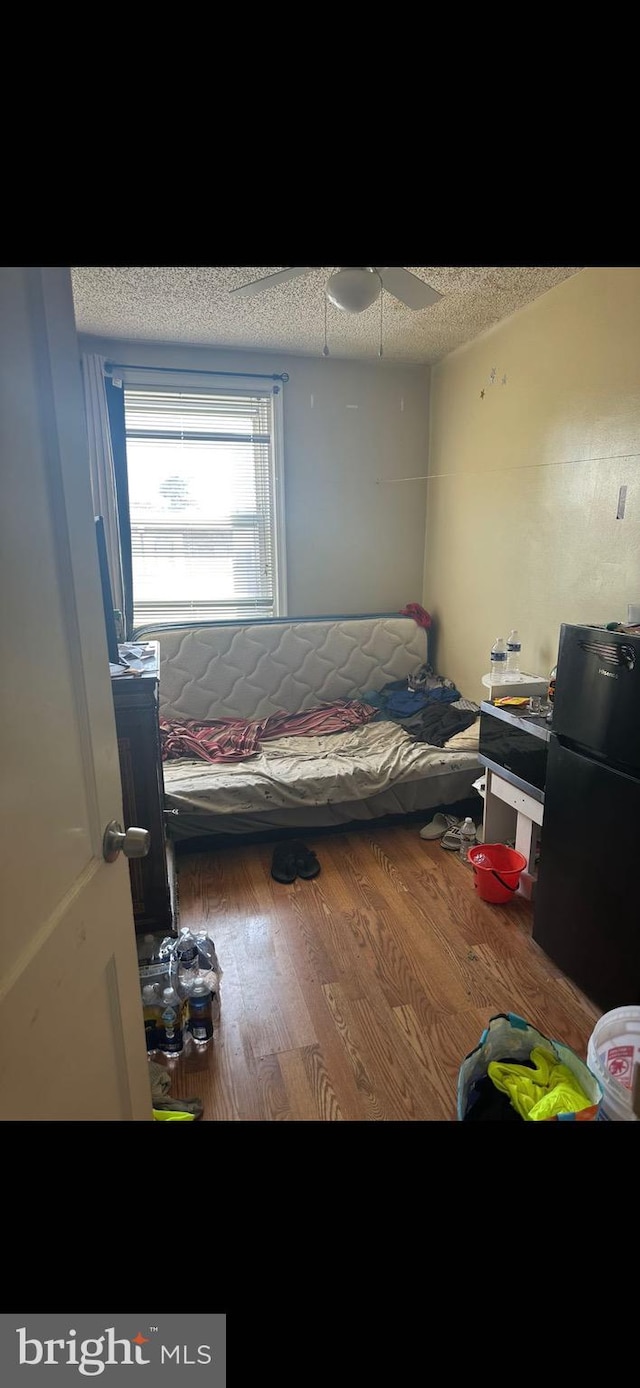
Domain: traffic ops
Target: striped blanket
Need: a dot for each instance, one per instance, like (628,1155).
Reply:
(235,739)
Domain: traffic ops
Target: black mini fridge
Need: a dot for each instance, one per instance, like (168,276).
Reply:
(587,906)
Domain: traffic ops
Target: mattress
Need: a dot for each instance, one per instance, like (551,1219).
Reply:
(365,773)
(226,670)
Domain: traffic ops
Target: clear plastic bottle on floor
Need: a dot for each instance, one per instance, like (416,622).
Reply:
(201,1012)
(151,1008)
(214,984)
(171,1039)
(513,653)
(468,837)
(188,961)
(207,957)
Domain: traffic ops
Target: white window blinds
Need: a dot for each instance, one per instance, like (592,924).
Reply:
(203,496)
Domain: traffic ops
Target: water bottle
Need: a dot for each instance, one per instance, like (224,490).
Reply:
(207,957)
(467,837)
(151,1012)
(513,653)
(188,961)
(170,1039)
(498,661)
(200,1012)
(215,999)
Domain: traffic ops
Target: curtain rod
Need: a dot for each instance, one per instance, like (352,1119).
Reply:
(110,366)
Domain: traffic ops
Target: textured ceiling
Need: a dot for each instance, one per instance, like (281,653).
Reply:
(192,304)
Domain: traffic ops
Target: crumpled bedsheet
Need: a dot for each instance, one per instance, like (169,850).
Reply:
(304,771)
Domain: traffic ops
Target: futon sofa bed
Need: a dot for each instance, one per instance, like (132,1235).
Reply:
(251,670)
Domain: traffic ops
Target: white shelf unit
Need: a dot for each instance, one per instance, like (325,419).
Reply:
(518,686)
(511,814)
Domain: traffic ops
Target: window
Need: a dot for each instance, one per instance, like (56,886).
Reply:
(205,493)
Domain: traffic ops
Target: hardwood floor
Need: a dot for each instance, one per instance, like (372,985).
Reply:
(357,995)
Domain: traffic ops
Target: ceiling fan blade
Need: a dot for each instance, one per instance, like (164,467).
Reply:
(407,287)
(281,276)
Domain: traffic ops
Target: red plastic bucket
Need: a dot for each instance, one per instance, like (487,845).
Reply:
(496,870)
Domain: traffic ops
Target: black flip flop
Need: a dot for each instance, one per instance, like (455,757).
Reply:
(307,864)
(284,867)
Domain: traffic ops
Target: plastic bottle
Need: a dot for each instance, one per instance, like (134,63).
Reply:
(513,653)
(498,661)
(207,958)
(151,1012)
(170,1037)
(467,837)
(188,960)
(200,1012)
(215,999)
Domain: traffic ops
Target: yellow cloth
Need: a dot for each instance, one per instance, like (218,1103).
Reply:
(540,1093)
(167,1115)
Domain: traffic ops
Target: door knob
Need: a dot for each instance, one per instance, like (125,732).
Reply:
(135,843)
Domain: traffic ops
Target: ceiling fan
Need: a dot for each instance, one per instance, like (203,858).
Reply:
(354,288)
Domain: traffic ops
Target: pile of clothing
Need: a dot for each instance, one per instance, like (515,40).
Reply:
(166,1109)
(427,706)
(530,1091)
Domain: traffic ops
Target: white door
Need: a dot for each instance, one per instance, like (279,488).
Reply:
(71,1029)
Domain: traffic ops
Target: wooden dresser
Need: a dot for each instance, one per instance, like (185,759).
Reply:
(135,699)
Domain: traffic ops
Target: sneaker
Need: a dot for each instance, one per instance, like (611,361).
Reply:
(453,838)
(439,826)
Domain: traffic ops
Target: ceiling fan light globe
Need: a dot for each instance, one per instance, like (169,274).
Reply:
(353,290)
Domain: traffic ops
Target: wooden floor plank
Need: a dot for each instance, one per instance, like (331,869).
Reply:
(308,1086)
(356,996)
(275,1100)
(401,1082)
(452,1038)
(421,1041)
(275,1013)
(399,926)
(430,929)
(440,890)
(372,1105)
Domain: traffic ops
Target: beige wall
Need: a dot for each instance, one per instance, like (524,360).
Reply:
(522,498)
(354,544)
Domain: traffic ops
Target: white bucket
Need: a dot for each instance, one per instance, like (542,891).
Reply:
(612,1054)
